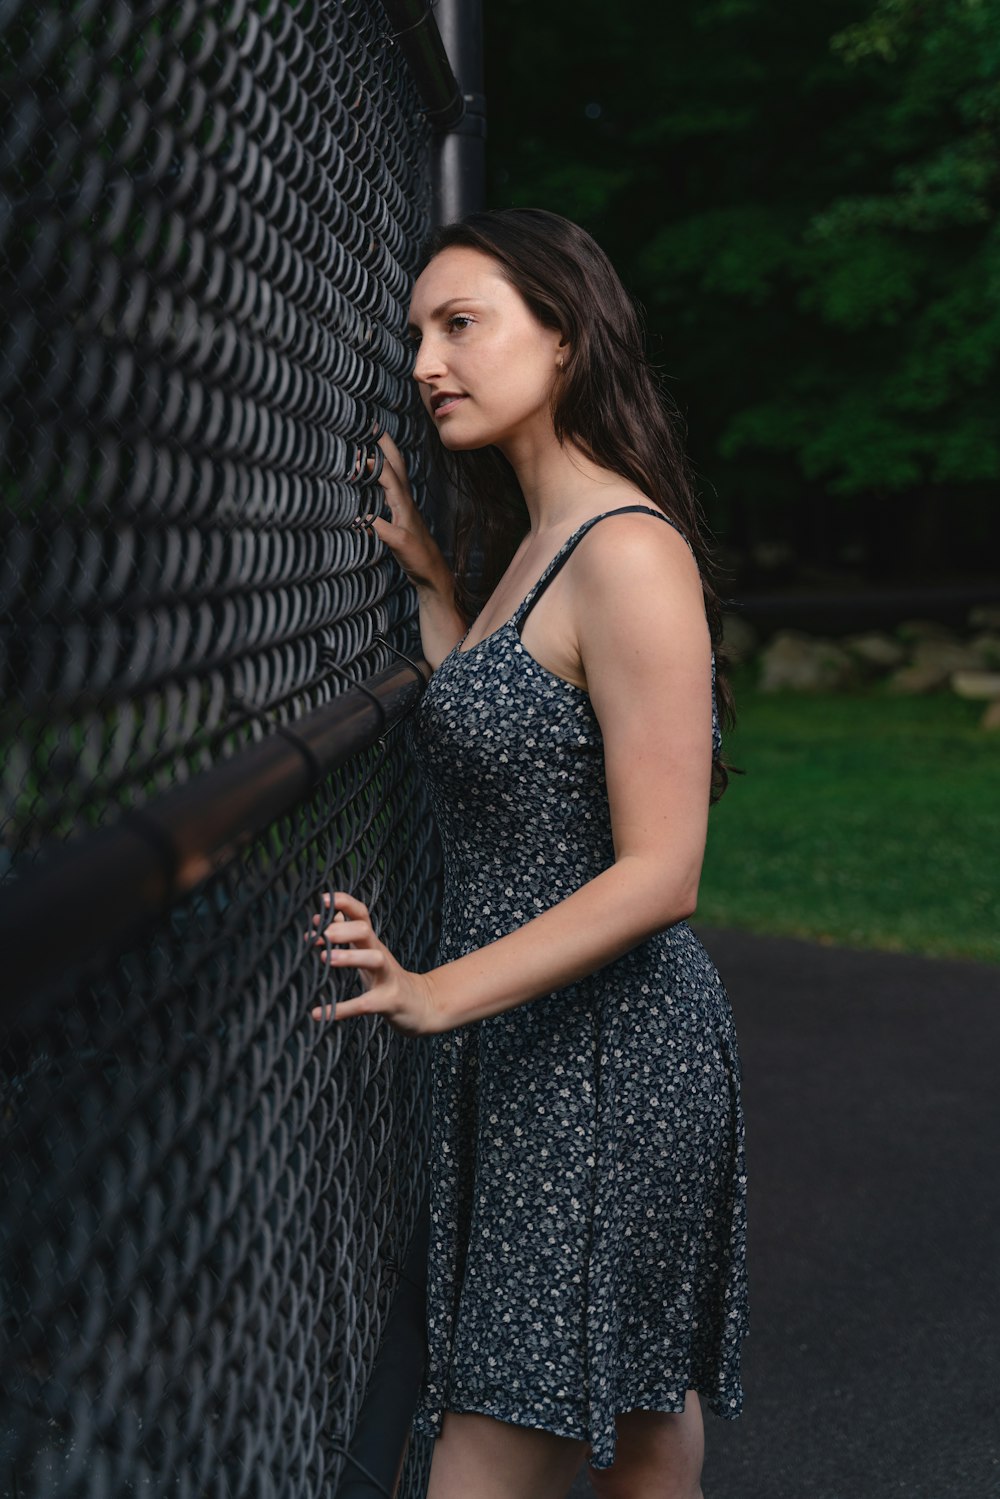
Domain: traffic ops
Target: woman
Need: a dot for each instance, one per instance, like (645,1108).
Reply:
(586,1278)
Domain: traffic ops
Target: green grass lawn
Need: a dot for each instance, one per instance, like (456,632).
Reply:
(864,820)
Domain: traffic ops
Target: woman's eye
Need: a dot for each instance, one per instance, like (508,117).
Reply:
(461,318)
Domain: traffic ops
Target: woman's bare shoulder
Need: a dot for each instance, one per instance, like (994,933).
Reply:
(634,538)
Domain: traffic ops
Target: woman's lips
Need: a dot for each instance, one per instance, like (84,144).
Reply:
(444,407)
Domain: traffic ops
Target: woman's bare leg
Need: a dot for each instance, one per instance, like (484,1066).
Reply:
(476,1457)
(659,1455)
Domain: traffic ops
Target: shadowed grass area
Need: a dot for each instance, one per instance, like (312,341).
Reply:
(865,820)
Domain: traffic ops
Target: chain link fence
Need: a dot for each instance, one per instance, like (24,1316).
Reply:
(209,218)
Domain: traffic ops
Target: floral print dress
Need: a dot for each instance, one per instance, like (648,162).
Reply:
(587,1246)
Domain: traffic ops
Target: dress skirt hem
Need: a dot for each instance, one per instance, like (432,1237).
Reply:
(727,1406)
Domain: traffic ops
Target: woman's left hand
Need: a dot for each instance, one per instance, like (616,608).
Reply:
(405,999)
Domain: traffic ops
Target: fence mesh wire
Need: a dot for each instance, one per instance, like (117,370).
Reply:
(209,217)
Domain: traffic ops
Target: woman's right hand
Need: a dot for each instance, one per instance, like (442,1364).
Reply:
(406,535)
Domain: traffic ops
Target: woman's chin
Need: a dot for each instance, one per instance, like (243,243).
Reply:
(462,442)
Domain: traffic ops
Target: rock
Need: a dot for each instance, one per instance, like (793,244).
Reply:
(988,646)
(976,684)
(876,652)
(805,663)
(991,718)
(947,656)
(924,629)
(985,617)
(771,554)
(917,679)
(739,638)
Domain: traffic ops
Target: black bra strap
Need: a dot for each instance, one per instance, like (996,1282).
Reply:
(566,551)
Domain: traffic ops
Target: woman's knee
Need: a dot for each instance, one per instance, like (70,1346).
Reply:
(659,1455)
(477,1455)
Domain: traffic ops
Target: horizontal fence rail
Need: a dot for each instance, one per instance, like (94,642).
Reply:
(210,215)
(102,886)
(415,32)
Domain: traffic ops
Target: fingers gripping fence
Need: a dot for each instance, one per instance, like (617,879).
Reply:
(209,219)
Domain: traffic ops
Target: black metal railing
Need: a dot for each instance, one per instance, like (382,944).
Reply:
(209,220)
(107,884)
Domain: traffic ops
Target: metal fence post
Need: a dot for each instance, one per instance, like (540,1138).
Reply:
(460,154)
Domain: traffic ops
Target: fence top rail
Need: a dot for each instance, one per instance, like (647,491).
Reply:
(416,32)
(103,885)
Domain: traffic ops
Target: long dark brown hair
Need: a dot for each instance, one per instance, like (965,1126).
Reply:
(608,401)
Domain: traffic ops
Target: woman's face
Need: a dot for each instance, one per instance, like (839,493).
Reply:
(479,343)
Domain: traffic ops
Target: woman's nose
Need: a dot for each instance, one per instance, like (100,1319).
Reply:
(428,364)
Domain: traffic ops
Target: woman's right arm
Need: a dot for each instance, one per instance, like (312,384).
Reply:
(442,625)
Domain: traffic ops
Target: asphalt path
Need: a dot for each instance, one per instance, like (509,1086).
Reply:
(872,1095)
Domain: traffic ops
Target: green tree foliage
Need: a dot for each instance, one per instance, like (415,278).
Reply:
(807,202)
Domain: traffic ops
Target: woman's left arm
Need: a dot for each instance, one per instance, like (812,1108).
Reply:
(637,605)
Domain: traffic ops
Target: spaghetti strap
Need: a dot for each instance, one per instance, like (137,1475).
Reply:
(566,551)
